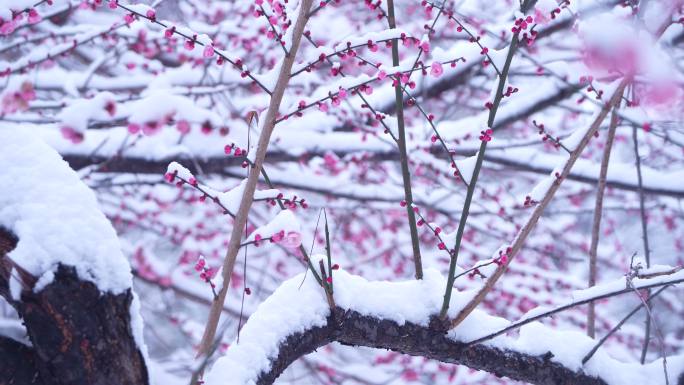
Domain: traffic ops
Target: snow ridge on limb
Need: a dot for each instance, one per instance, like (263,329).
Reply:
(55,217)
(401,316)
(62,269)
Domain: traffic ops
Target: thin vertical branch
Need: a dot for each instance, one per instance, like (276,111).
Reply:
(659,334)
(476,172)
(596,226)
(617,327)
(644,231)
(326,286)
(328,250)
(525,231)
(250,186)
(403,156)
(302,250)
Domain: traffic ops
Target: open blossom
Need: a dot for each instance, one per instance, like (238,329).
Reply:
(133,128)
(660,94)
(292,240)
(33,16)
(543,10)
(208,51)
(168,33)
(183,126)
(200,264)
(541,17)
(7,27)
(18,100)
(71,135)
(436,69)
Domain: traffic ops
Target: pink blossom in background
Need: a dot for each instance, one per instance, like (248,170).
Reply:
(436,69)
(71,135)
(292,240)
(480,151)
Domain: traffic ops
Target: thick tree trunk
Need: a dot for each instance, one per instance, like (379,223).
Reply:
(18,364)
(80,336)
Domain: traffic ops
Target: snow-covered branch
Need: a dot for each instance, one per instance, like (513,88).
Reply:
(62,269)
(402,316)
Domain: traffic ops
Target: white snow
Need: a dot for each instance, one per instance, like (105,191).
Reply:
(291,309)
(55,216)
(58,221)
(299,304)
(546,6)
(284,221)
(79,112)
(161,104)
(14,285)
(466,167)
(8,6)
(175,168)
(14,329)
(541,188)
(288,310)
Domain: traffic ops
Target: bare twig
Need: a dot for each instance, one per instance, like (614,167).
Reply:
(250,186)
(476,172)
(326,285)
(644,232)
(403,156)
(596,227)
(593,350)
(539,209)
(651,318)
(570,305)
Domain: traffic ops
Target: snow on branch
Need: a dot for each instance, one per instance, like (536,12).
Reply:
(656,182)
(55,217)
(401,316)
(62,269)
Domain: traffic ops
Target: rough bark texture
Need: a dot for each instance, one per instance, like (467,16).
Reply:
(352,328)
(80,336)
(18,364)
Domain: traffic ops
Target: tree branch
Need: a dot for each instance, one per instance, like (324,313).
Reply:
(80,335)
(352,328)
(220,165)
(525,231)
(598,211)
(349,327)
(254,172)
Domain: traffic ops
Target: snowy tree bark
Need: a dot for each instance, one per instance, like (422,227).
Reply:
(18,364)
(351,328)
(79,335)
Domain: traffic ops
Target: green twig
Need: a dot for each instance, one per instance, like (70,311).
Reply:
(476,172)
(327,249)
(403,156)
